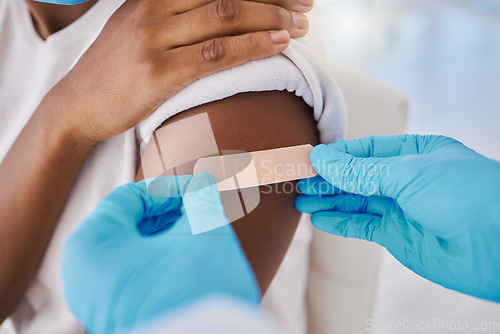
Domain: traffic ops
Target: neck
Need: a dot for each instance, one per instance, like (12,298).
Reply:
(49,18)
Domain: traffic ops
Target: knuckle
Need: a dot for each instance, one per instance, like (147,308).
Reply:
(250,41)
(227,11)
(251,46)
(138,12)
(281,16)
(151,69)
(144,9)
(144,36)
(214,50)
(146,75)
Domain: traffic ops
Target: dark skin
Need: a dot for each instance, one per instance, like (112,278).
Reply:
(136,63)
(49,19)
(251,122)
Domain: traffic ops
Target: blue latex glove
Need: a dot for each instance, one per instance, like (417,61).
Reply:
(62,2)
(135,258)
(430,200)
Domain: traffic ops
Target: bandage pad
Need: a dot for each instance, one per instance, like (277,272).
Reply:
(245,170)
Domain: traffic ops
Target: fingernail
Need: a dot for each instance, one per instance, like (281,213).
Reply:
(306,3)
(300,20)
(279,37)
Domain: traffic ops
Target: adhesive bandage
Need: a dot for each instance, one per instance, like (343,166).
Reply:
(252,169)
(237,173)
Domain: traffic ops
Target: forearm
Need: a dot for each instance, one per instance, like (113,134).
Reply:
(36,177)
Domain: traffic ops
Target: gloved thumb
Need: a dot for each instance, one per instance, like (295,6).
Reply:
(362,176)
(349,225)
(203,205)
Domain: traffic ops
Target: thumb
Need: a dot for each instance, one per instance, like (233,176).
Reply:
(362,176)
(349,225)
(203,205)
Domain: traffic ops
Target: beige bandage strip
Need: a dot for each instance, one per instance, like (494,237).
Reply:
(244,170)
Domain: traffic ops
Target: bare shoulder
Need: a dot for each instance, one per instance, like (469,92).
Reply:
(257,120)
(244,122)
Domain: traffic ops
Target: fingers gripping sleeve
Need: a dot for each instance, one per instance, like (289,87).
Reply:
(298,69)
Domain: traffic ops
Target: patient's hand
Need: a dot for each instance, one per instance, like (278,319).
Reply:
(246,122)
(149,50)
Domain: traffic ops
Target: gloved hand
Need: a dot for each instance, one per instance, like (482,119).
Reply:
(135,258)
(430,200)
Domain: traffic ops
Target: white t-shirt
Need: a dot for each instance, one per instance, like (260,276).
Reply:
(30,67)
(213,315)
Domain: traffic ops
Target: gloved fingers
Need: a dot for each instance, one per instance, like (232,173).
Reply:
(162,197)
(445,146)
(201,208)
(348,203)
(390,146)
(358,226)
(131,205)
(317,186)
(363,176)
(166,186)
(379,146)
(150,225)
(202,205)
(166,196)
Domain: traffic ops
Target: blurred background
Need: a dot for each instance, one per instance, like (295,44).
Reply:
(445,55)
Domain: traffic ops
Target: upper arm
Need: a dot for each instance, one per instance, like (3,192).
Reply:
(246,122)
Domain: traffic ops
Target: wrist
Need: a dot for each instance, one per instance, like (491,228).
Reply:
(57,122)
